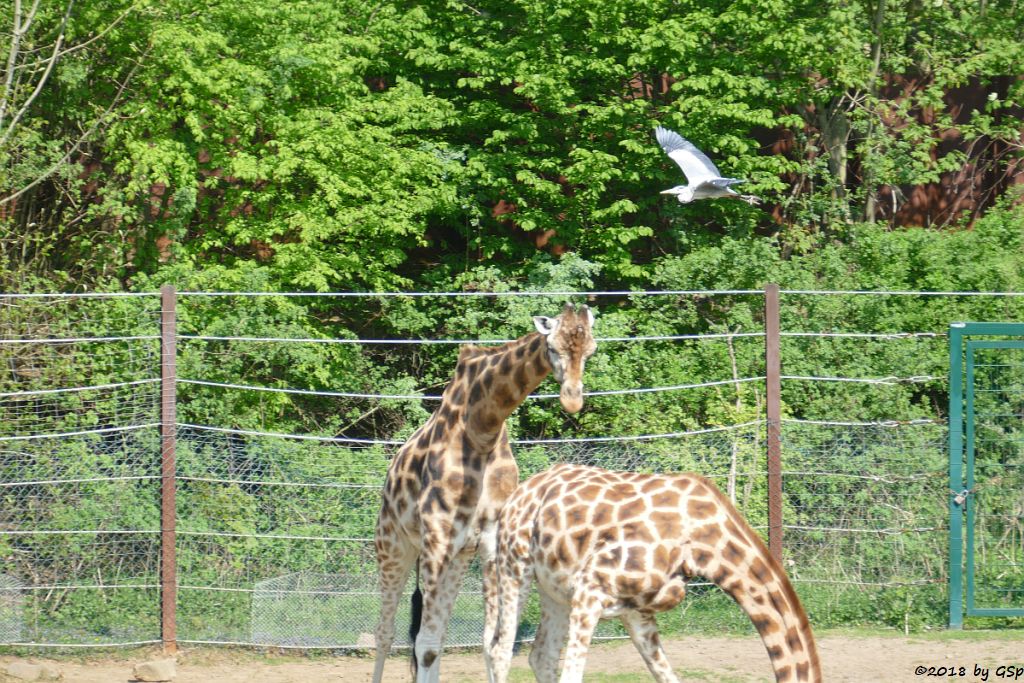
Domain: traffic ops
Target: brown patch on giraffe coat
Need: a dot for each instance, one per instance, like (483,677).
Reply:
(486,421)
(631,509)
(521,379)
(802,670)
(563,553)
(502,480)
(733,553)
(576,516)
(504,397)
(505,367)
(602,514)
(619,492)
(582,540)
(651,485)
(682,484)
(590,492)
(666,499)
(435,498)
(625,585)
(793,640)
(637,531)
(661,558)
(720,575)
(476,393)
(778,602)
(759,571)
(784,674)
(764,624)
(709,534)
(611,558)
(699,490)
(775,652)
(700,509)
(636,559)
(550,518)
(666,524)
(702,558)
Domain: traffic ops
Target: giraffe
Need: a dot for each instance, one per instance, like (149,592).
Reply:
(446,484)
(603,544)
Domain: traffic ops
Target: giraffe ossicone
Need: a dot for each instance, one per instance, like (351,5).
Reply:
(447,483)
(603,544)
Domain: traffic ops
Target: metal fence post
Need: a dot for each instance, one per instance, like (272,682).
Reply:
(168,467)
(956,476)
(773,400)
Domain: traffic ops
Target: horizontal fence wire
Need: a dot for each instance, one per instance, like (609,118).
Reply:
(280,469)
(437,397)
(481,342)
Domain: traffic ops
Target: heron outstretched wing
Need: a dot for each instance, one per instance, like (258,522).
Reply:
(725,182)
(694,163)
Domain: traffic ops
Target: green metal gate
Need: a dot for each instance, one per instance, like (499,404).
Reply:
(986,470)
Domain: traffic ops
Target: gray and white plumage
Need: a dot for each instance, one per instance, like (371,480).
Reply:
(704,179)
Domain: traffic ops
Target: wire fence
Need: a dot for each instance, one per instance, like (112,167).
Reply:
(291,406)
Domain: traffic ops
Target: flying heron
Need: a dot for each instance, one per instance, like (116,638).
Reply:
(705,180)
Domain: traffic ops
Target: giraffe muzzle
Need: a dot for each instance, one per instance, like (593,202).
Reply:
(571,396)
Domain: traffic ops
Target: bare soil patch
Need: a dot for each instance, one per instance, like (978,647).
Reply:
(845,657)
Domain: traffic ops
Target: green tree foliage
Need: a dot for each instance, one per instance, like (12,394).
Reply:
(315,145)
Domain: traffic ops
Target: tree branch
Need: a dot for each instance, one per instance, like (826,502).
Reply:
(42,80)
(85,136)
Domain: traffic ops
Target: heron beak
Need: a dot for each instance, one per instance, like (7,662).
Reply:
(666,192)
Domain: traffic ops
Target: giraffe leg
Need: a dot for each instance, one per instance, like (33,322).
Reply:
(584,614)
(547,644)
(643,631)
(440,581)
(513,593)
(395,560)
(492,591)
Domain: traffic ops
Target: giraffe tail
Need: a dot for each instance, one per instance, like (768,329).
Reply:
(774,608)
(415,618)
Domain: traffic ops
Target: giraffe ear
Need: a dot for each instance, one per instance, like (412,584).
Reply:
(545,325)
(590,316)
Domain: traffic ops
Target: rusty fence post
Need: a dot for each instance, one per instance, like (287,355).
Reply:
(168,468)
(773,400)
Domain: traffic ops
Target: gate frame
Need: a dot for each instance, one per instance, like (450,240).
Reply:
(959,491)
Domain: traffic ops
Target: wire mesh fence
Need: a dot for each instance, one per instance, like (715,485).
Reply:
(995,459)
(79,468)
(289,410)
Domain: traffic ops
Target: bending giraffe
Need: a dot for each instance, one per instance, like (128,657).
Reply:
(446,485)
(604,544)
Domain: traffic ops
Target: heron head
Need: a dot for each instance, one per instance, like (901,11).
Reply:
(683,192)
(570,342)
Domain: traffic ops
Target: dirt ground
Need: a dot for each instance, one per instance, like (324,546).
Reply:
(845,657)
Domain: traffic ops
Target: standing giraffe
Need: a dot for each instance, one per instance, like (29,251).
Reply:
(446,485)
(604,544)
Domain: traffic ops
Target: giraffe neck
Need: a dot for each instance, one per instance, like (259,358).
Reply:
(491,383)
(731,554)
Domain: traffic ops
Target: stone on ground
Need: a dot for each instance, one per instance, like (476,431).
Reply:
(155,670)
(30,671)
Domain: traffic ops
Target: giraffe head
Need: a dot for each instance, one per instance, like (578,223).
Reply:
(570,342)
